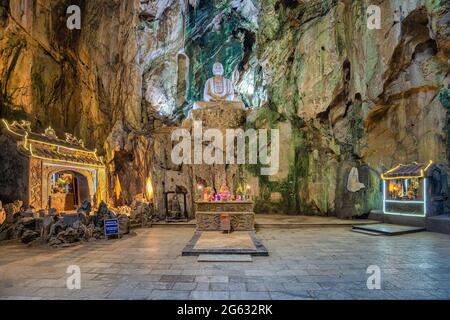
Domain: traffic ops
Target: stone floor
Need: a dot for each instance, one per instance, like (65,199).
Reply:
(220,240)
(308,263)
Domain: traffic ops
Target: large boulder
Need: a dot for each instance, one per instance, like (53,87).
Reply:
(12,209)
(89,232)
(103,213)
(85,208)
(56,228)
(54,241)
(29,212)
(83,230)
(126,210)
(6,231)
(141,212)
(72,218)
(29,223)
(98,232)
(124,224)
(69,235)
(29,236)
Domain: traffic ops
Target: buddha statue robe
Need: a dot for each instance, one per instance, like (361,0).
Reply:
(218,88)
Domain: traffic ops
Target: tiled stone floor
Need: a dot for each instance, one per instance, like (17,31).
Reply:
(216,239)
(308,263)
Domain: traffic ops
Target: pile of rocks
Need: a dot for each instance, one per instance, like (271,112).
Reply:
(58,229)
(16,220)
(140,213)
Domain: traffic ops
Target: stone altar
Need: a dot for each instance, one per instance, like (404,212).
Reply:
(208,215)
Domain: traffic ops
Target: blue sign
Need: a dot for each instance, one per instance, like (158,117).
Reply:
(111,227)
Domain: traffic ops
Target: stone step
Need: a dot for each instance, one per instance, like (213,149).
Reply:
(274,225)
(388,229)
(224,258)
(300,225)
(371,233)
(189,224)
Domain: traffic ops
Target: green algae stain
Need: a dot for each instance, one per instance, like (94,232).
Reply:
(215,33)
(444,98)
(298,168)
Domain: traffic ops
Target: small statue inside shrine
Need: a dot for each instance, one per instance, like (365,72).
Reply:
(207,191)
(175,207)
(224,193)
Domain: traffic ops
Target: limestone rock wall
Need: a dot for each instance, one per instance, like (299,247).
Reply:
(80,81)
(352,96)
(13,172)
(342,95)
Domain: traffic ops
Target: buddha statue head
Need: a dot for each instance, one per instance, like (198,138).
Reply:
(218,69)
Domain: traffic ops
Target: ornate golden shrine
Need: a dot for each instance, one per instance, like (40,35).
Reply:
(33,162)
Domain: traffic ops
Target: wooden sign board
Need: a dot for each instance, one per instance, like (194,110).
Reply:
(111,227)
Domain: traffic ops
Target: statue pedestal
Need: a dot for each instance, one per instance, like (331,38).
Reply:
(207,214)
(203,105)
(220,115)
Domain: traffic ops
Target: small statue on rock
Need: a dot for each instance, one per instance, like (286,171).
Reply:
(353,184)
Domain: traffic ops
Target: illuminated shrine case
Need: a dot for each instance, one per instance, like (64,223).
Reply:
(416,189)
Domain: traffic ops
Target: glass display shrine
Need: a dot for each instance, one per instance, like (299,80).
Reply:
(415,189)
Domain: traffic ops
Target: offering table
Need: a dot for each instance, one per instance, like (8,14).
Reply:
(207,214)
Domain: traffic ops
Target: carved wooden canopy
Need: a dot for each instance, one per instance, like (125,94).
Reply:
(48,146)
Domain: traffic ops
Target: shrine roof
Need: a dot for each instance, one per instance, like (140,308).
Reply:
(407,171)
(48,146)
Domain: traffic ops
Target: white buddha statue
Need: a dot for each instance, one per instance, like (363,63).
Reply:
(218,88)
